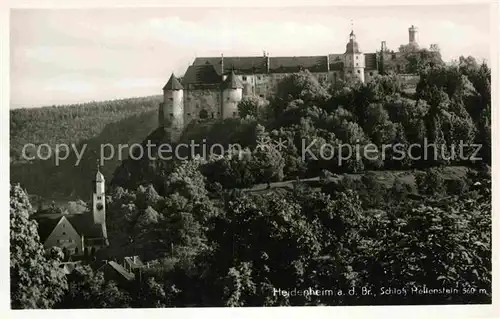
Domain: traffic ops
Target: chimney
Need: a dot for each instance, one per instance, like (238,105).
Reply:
(328,63)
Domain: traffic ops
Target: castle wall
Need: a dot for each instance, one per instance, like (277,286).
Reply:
(230,100)
(201,102)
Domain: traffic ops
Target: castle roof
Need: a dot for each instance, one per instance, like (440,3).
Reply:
(173,84)
(201,75)
(241,65)
(292,64)
(232,82)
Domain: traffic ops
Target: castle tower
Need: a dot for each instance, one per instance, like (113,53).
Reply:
(99,199)
(354,59)
(412,33)
(172,109)
(232,93)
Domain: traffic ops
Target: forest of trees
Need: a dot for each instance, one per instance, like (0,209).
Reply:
(216,242)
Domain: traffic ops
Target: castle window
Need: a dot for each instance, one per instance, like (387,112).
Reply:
(213,115)
(357,57)
(371,73)
(359,71)
(171,114)
(99,197)
(244,78)
(261,95)
(258,78)
(350,72)
(189,114)
(64,233)
(171,99)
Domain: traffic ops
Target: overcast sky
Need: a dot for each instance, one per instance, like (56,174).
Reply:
(78,55)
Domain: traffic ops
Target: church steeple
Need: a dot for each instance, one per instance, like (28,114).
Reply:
(99,198)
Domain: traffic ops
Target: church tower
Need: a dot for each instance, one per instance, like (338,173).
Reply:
(99,199)
(172,109)
(354,59)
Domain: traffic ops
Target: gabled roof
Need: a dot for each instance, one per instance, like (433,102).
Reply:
(297,63)
(232,82)
(82,223)
(241,65)
(200,75)
(120,270)
(46,226)
(173,84)
(133,262)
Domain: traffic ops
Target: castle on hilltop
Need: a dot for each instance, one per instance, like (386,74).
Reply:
(212,87)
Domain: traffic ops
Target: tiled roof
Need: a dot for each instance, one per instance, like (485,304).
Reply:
(119,269)
(173,84)
(232,82)
(298,63)
(370,61)
(241,65)
(84,225)
(46,226)
(134,262)
(204,74)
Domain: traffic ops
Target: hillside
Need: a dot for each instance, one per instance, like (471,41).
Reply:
(92,124)
(70,123)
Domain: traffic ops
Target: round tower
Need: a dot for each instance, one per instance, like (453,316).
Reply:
(172,109)
(412,35)
(232,93)
(354,59)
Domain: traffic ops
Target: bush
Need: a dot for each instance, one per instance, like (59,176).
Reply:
(431,182)
(457,186)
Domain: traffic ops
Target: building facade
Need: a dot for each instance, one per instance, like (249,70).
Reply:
(213,86)
(80,233)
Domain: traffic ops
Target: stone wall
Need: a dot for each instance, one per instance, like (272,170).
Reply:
(201,103)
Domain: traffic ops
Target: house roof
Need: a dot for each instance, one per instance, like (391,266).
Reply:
(173,84)
(232,82)
(46,226)
(241,64)
(297,63)
(204,74)
(83,224)
(134,261)
(120,270)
